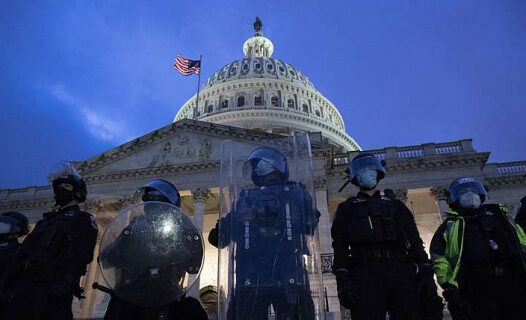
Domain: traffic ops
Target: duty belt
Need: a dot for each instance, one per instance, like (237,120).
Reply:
(371,254)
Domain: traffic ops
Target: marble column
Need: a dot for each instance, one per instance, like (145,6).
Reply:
(324,225)
(200,195)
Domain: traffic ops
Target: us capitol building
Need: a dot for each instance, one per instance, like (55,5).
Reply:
(252,99)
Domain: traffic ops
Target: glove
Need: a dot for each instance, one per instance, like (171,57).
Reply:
(459,308)
(425,282)
(347,292)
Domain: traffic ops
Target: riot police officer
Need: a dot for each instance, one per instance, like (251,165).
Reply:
(184,308)
(478,255)
(12,226)
(379,259)
(267,227)
(55,254)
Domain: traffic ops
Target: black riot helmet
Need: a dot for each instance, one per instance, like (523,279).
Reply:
(22,221)
(265,162)
(67,184)
(365,160)
(158,190)
(463,185)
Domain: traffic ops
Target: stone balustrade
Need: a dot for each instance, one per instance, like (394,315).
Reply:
(423,150)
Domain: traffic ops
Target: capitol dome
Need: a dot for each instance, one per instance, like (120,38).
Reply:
(262,93)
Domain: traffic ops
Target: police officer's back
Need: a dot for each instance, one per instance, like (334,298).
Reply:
(478,256)
(55,254)
(377,249)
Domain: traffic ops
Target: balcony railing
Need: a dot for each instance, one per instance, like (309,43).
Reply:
(512,167)
(409,152)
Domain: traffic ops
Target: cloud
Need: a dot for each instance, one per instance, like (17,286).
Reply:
(98,124)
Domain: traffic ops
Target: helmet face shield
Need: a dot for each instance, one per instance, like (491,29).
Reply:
(158,190)
(363,163)
(8,225)
(462,186)
(271,156)
(63,170)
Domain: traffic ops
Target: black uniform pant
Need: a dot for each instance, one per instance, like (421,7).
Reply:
(253,303)
(186,309)
(385,286)
(31,301)
(493,298)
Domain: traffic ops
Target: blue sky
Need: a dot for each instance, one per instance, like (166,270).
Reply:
(80,77)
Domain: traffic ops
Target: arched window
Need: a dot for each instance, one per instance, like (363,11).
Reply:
(210,108)
(305,108)
(290,103)
(274,101)
(257,101)
(241,101)
(224,104)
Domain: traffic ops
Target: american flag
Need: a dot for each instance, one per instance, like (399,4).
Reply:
(186,66)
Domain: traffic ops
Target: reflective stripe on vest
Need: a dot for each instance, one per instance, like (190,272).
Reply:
(454,246)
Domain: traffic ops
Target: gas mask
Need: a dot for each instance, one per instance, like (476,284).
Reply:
(63,193)
(367,179)
(469,200)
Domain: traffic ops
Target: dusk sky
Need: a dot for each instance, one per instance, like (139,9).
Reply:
(78,78)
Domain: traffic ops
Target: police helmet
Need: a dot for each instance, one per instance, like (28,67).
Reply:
(464,185)
(158,190)
(64,176)
(365,160)
(8,226)
(23,222)
(267,160)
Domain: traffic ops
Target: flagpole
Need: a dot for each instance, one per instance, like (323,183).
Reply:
(198,85)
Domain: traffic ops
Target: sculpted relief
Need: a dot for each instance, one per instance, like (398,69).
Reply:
(182,149)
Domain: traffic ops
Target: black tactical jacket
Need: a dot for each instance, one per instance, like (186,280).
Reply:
(365,223)
(61,245)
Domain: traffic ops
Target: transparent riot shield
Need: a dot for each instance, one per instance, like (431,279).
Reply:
(149,252)
(269,257)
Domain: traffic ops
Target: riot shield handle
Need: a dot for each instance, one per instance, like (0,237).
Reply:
(102,288)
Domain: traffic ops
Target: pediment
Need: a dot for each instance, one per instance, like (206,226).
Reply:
(184,142)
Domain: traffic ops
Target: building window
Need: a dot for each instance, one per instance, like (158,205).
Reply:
(241,101)
(274,101)
(224,104)
(257,100)
(317,113)
(210,109)
(290,103)
(305,108)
